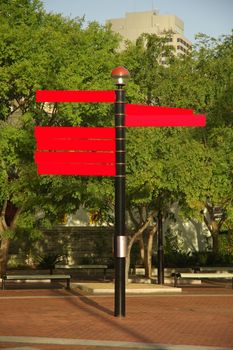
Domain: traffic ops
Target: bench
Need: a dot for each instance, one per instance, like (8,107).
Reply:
(35,277)
(179,275)
(220,269)
(84,267)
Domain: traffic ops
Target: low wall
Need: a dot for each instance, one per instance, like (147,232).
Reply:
(77,245)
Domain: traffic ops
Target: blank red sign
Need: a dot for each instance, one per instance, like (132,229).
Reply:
(153,116)
(75,96)
(75,151)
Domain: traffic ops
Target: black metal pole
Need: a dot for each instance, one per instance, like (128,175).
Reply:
(120,243)
(160,249)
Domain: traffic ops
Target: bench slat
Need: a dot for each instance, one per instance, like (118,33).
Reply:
(35,277)
(84,267)
(180,275)
(206,275)
(81,266)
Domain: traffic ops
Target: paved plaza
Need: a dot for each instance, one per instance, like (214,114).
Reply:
(198,318)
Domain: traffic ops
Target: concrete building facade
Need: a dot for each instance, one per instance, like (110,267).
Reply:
(134,24)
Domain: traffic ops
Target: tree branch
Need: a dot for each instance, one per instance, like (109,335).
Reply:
(140,210)
(132,218)
(14,221)
(3,213)
(207,224)
(142,228)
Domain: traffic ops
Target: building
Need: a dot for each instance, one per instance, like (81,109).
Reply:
(134,24)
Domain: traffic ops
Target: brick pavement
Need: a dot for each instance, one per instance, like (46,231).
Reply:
(197,317)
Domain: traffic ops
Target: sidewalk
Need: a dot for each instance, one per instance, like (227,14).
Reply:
(198,318)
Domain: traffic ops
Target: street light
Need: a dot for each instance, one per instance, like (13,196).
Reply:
(120,76)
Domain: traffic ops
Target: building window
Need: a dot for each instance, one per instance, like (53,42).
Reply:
(183,42)
(181,48)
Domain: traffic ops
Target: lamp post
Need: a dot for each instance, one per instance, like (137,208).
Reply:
(120,76)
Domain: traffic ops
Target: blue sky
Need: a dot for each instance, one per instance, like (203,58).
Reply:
(211,17)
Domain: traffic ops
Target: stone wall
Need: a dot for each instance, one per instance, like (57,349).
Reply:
(76,245)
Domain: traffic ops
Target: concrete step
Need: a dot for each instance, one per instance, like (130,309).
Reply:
(131,288)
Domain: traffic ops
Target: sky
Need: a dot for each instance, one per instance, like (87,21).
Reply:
(211,17)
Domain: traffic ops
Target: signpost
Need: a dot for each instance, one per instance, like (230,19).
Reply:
(93,151)
(120,76)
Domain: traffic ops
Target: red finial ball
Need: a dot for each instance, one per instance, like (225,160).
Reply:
(120,75)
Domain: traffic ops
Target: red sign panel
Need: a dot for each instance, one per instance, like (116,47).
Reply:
(153,116)
(81,169)
(68,132)
(75,151)
(75,96)
(75,157)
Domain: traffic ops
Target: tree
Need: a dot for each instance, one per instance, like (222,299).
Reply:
(196,81)
(178,165)
(43,51)
(163,166)
(203,81)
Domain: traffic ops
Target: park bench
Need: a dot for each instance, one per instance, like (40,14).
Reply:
(199,276)
(84,267)
(227,269)
(35,277)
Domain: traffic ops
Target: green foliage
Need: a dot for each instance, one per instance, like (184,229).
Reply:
(183,165)
(45,51)
(189,164)
(49,260)
(143,59)
(226,245)
(99,198)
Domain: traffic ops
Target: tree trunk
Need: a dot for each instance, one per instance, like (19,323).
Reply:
(8,221)
(4,246)
(132,239)
(215,235)
(141,249)
(215,242)
(214,228)
(149,252)
(5,243)
(127,260)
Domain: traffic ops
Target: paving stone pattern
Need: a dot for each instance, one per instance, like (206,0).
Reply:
(193,319)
